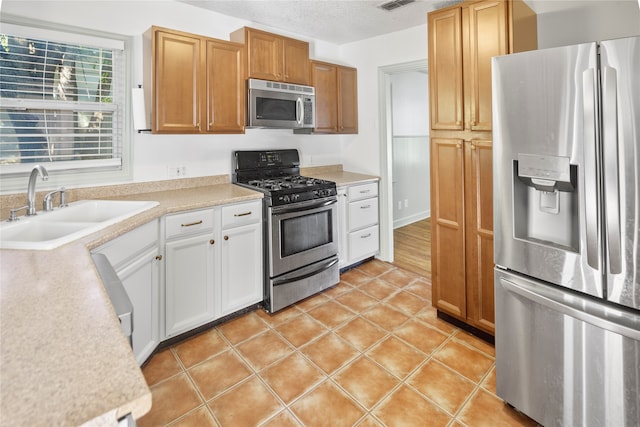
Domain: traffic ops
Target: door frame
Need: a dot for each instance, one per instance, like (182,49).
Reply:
(386,149)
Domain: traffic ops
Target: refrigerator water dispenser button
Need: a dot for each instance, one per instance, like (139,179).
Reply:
(550,202)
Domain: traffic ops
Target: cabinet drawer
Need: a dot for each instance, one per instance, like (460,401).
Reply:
(363,191)
(363,243)
(241,214)
(127,246)
(363,213)
(189,223)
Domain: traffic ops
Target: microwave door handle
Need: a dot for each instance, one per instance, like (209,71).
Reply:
(299,111)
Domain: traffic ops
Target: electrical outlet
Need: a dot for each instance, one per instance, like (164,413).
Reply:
(176,171)
(406,203)
(399,205)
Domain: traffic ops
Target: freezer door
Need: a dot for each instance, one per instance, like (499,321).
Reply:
(565,359)
(620,74)
(546,183)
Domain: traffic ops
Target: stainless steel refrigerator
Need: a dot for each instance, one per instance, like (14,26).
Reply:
(566,128)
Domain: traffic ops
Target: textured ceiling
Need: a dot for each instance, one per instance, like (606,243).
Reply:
(344,21)
(335,21)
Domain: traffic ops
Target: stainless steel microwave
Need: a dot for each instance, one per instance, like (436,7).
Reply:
(280,105)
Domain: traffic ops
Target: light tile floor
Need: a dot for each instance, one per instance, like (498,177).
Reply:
(367,352)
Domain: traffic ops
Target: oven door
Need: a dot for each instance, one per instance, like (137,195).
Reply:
(301,234)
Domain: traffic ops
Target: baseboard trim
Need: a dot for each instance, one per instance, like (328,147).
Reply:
(468,328)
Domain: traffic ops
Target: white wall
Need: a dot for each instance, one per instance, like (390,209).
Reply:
(410,118)
(202,155)
(591,21)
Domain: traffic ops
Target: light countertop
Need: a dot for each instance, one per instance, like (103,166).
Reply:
(63,358)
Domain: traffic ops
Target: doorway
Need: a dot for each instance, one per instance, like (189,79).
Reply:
(405,185)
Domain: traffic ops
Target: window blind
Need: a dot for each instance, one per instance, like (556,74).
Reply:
(60,101)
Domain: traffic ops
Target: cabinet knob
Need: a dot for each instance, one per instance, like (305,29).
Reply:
(473,146)
(212,241)
(226,237)
(158,257)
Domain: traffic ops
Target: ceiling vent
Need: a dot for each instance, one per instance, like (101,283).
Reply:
(394,4)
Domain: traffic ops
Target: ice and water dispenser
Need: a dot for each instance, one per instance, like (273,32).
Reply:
(546,201)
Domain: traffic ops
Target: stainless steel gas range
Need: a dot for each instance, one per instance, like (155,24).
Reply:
(300,225)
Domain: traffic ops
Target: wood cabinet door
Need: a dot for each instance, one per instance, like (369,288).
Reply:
(177,96)
(445,69)
(296,61)
(447,225)
(479,234)
(324,78)
(225,87)
(264,55)
(347,100)
(487,37)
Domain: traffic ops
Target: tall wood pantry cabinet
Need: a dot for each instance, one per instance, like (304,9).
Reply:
(197,83)
(462,40)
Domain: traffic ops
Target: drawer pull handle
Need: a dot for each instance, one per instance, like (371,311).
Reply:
(365,207)
(243,214)
(364,191)
(191,224)
(365,236)
(159,257)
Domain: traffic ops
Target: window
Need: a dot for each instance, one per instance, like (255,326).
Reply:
(62,100)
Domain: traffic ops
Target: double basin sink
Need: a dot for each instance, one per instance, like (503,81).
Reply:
(48,230)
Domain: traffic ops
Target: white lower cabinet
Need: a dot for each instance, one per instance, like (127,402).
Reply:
(135,256)
(189,277)
(241,282)
(359,233)
(213,264)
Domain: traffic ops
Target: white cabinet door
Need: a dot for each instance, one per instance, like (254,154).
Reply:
(189,283)
(343,231)
(241,279)
(140,280)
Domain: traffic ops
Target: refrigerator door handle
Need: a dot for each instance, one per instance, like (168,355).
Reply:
(611,179)
(590,167)
(606,317)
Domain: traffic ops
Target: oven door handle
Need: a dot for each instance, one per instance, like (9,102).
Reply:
(299,208)
(324,266)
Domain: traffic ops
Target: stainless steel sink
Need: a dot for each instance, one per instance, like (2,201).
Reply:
(48,230)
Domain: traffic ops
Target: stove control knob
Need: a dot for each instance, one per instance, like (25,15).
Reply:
(285,199)
(295,197)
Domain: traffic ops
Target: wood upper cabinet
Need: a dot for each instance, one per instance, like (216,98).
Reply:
(177,81)
(336,97)
(445,69)
(462,40)
(197,83)
(225,87)
(274,57)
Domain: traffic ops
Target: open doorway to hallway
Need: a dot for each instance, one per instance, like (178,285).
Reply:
(407,148)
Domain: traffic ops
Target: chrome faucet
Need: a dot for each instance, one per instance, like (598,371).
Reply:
(31,189)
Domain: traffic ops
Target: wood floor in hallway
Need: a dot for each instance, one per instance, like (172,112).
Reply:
(412,247)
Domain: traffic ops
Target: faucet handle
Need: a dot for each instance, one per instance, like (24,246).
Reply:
(47,202)
(63,198)
(14,211)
